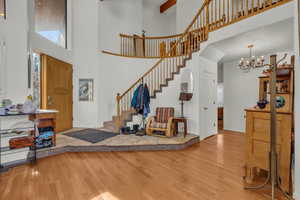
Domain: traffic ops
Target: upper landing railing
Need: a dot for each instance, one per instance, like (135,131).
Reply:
(221,13)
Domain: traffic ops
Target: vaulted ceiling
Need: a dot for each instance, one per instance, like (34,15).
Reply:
(167,4)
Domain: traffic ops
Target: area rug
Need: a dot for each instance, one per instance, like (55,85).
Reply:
(91,135)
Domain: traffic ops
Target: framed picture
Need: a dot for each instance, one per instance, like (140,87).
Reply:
(86,89)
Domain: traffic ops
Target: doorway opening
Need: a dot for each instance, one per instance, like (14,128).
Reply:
(220,97)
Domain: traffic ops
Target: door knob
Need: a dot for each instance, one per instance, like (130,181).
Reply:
(205,108)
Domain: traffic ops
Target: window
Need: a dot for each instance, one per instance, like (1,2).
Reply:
(51,20)
(36,79)
(3,9)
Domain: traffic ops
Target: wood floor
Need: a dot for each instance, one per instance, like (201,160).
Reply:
(212,170)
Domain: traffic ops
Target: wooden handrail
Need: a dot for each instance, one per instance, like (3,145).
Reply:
(117,54)
(140,57)
(153,37)
(156,37)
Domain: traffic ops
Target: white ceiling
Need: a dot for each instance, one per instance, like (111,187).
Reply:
(270,39)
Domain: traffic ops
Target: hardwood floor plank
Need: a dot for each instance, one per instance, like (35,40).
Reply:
(210,170)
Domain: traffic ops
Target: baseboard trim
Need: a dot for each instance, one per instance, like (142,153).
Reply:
(227,130)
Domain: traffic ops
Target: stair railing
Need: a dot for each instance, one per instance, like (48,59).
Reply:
(150,47)
(223,13)
(164,70)
(213,15)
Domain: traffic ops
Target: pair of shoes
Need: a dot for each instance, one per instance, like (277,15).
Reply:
(140,133)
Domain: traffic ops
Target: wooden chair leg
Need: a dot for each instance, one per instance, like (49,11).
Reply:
(168,133)
(149,131)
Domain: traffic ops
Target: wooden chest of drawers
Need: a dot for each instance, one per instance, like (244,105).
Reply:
(258,145)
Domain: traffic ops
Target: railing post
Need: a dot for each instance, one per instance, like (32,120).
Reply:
(207,18)
(118,123)
(144,42)
(135,50)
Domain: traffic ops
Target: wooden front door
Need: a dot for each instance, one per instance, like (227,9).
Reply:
(57,90)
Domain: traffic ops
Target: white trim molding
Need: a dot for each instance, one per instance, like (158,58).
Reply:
(2,67)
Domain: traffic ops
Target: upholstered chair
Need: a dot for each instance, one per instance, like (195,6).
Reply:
(162,121)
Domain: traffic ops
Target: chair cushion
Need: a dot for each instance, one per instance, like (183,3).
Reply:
(159,125)
(163,114)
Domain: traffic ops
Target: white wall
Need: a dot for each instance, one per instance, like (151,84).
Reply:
(241,91)
(131,17)
(85,59)
(117,17)
(14,32)
(185,12)
(156,23)
(40,44)
(116,75)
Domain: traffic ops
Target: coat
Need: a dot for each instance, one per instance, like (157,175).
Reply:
(141,100)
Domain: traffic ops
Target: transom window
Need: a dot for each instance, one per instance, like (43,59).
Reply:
(51,20)
(3,9)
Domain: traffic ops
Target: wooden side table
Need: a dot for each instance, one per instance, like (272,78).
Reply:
(46,120)
(180,120)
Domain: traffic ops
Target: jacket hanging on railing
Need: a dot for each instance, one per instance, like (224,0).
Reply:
(141,100)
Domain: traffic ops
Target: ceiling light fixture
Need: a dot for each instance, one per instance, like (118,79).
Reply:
(252,62)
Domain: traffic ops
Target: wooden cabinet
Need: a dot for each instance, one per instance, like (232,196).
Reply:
(258,145)
(284,89)
(258,122)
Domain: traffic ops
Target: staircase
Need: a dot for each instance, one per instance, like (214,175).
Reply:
(213,15)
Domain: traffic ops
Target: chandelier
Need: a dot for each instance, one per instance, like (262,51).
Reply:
(252,62)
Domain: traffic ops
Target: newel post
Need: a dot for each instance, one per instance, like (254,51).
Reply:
(118,98)
(118,104)
(144,42)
